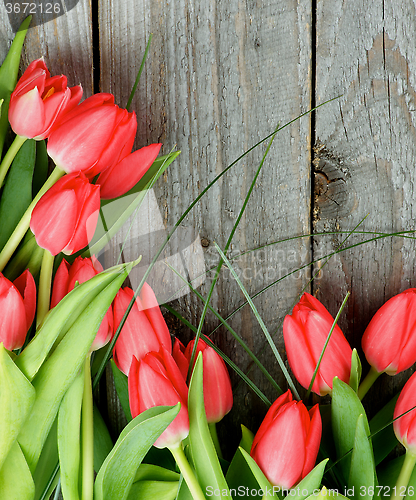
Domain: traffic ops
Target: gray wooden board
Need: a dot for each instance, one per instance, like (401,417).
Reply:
(365,159)
(219,77)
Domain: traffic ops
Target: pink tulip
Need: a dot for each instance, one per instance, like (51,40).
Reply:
(389,341)
(64,219)
(287,442)
(218,394)
(18,305)
(405,426)
(305,333)
(144,331)
(156,380)
(39,101)
(80,271)
(97,137)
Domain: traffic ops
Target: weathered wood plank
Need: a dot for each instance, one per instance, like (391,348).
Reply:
(65,43)
(365,161)
(219,77)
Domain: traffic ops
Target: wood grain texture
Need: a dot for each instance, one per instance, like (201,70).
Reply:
(65,43)
(365,157)
(219,78)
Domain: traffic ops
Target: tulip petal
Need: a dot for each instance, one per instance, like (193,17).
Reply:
(13,326)
(313,440)
(27,288)
(152,310)
(53,222)
(67,144)
(60,283)
(281,452)
(27,114)
(119,179)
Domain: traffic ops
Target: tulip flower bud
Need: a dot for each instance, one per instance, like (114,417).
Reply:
(156,380)
(97,136)
(144,331)
(218,394)
(17,305)
(405,426)
(287,442)
(389,341)
(305,332)
(64,219)
(39,101)
(79,272)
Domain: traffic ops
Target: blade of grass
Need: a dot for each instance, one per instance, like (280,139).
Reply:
(325,345)
(233,332)
(133,90)
(227,245)
(260,321)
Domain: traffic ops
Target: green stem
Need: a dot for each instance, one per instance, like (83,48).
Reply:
(187,473)
(215,440)
(9,156)
(404,476)
(369,380)
(24,222)
(45,281)
(87,435)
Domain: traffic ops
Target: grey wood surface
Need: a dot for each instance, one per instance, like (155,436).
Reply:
(219,77)
(366,159)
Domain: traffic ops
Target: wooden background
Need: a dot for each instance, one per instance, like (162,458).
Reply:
(219,78)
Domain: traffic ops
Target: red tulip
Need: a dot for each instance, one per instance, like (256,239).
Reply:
(287,442)
(218,395)
(39,101)
(156,380)
(64,219)
(18,305)
(305,333)
(389,341)
(80,271)
(97,136)
(144,331)
(405,426)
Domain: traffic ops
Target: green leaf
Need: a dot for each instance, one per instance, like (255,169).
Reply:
(8,77)
(117,473)
(29,256)
(17,193)
(381,426)
(356,371)
(244,475)
(207,465)
(247,439)
(154,490)
(103,444)
(60,369)
(115,212)
(16,481)
(69,421)
(150,472)
(310,483)
(46,466)
(362,471)
(122,388)
(16,399)
(40,173)
(346,409)
(61,317)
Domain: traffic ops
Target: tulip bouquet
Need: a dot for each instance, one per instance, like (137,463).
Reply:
(63,317)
